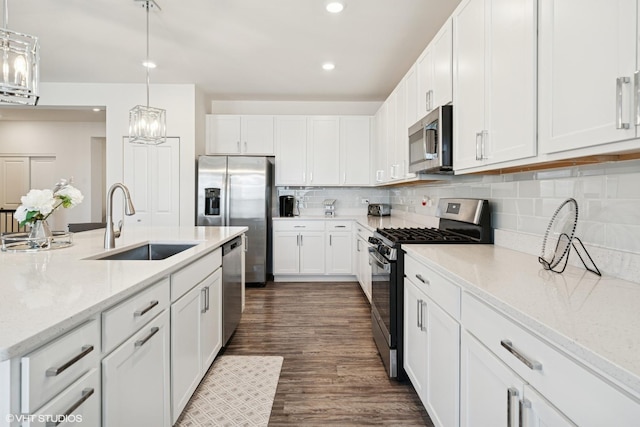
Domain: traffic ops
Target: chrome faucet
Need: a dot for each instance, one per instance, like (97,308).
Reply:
(110,233)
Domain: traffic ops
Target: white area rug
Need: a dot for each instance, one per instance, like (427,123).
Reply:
(237,391)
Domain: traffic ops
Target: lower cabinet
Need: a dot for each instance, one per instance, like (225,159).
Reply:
(493,395)
(361,261)
(338,247)
(431,355)
(298,247)
(135,378)
(196,338)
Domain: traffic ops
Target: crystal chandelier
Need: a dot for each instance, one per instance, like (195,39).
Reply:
(20,58)
(147,125)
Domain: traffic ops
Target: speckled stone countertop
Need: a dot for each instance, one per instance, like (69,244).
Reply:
(44,294)
(595,319)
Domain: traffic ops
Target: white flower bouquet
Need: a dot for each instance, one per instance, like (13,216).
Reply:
(40,204)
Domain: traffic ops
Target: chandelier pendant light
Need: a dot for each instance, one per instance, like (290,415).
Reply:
(20,62)
(147,125)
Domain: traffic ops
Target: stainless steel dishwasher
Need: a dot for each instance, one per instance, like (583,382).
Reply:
(231,287)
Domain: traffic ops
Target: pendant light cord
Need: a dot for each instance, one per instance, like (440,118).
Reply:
(147,64)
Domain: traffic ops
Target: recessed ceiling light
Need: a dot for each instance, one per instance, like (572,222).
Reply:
(96,110)
(149,64)
(328,66)
(335,6)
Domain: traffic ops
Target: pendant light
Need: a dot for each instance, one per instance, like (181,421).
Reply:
(20,62)
(147,125)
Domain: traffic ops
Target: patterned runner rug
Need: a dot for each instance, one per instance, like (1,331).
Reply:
(237,391)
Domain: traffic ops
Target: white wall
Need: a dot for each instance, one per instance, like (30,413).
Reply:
(180,102)
(70,144)
(295,107)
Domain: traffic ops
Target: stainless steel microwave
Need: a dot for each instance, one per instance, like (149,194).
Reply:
(430,142)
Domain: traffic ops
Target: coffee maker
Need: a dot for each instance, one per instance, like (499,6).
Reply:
(286,205)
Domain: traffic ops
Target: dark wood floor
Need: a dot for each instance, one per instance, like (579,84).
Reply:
(332,373)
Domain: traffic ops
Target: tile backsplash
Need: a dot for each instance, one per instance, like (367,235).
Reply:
(608,196)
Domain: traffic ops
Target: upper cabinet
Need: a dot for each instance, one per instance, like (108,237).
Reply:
(494,75)
(588,78)
(434,72)
(323,150)
(248,135)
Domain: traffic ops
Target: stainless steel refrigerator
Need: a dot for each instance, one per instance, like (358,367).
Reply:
(237,190)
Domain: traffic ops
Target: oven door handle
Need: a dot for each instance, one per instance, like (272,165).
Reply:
(379,260)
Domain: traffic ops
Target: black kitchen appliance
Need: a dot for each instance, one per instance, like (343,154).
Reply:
(287,204)
(462,221)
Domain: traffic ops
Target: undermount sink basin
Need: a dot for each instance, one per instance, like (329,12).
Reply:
(148,252)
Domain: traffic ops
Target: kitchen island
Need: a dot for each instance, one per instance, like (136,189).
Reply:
(49,296)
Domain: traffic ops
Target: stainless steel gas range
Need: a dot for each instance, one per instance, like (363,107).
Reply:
(462,221)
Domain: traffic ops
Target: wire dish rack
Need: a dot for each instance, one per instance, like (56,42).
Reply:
(21,242)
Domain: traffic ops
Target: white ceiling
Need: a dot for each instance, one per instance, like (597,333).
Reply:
(235,49)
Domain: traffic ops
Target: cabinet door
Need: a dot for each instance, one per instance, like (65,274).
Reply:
(355,154)
(380,167)
(312,252)
(392,114)
(510,128)
(135,379)
(14,181)
(223,134)
(324,150)
(442,61)
(365,268)
(443,366)
(286,252)
(210,319)
(415,338)
(339,253)
(401,144)
(185,349)
(583,50)
(538,412)
(291,150)
(489,389)
(425,80)
(469,77)
(411,100)
(257,135)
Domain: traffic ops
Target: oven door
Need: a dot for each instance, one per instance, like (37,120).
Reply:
(381,292)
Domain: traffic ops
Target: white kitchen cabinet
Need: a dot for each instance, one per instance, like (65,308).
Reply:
(323,141)
(291,150)
(434,72)
(135,378)
(338,247)
(14,181)
(381,174)
(232,134)
(152,175)
(584,53)
(196,338)
(361,255)
(494,115)
(411,99)
(298,247)
(432,343)
(355,154)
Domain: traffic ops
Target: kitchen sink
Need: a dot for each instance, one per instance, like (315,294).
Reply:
(148,252)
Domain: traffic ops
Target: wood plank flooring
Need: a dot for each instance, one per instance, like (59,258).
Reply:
(332,373)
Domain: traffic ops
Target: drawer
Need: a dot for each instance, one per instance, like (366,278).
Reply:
(581,394)
(123,320)
(83,395)
(363,232)
(337,225)
(441,290)
(296,225)
(185,279)
(56,365)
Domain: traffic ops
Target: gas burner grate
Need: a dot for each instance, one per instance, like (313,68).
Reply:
(422,235)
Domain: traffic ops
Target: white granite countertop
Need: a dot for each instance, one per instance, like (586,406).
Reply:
(596,319)
(43,294)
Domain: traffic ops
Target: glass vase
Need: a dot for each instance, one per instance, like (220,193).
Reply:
(40,236)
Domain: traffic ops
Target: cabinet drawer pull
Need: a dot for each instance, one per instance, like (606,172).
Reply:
(418,313)
(422,279)
(299,226)
(145,310)
(330,236)
(208,298)
(86,394)
(525,404)
(52,372)
(141,342)
(203,293)
(619,82)
(531,364)
(340,226)
(423,304)
(511,393)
